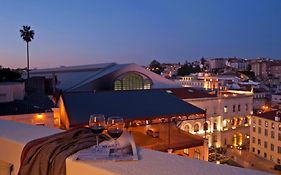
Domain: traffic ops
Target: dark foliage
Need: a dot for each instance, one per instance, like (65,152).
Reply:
(6,74)
(187,69)
(156,67)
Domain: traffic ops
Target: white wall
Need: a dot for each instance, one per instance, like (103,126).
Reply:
(11,91)
(46,119)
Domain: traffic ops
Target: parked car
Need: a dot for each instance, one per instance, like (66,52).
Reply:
(277,167)
(152,132)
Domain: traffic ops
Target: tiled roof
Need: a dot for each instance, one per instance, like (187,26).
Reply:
(187,93)
(268,115)
(259,90)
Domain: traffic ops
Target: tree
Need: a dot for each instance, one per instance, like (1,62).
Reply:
(27,35)
(187,69)
(6,74)
(156,67)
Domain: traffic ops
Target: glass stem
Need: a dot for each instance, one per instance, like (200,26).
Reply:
(97,139)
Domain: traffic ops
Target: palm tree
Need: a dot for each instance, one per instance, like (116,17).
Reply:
(27,35)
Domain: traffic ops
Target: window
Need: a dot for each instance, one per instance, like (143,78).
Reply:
(279,136)
(253,140)
(278,161)
(233,108)
(264,155)
(254,128)
(259,130)
(265,144)
(259,141)
(147,84)
(186,128)
(265,123)
(254,120)
(265,132)
(215,138)
(279,127)
(117,85)
(196,128)
(271,147)
(238,107)
(279,149)
(272,134)
(271,158)
(253,150)
(215,126)
(132,81)
(225,109)
(272,125)
(259,121)
(259,152)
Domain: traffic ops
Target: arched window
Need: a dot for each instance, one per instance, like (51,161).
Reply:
(117,85)
(196,127)
(132,81)
(186,128)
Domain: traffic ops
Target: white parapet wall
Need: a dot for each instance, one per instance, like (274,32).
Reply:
(14,136)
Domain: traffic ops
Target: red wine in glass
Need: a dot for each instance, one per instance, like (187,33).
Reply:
(115,133)
(97,124)
(97,129)
(115,127)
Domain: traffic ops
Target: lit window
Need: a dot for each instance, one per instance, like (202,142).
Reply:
(196,128)
(225,109)
(147,84)
(132,81)
(266,124)
(117,85)
(186,128)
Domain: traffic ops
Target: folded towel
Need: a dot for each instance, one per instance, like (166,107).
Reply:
(46,156)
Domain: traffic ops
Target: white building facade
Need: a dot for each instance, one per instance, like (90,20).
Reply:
(228,118)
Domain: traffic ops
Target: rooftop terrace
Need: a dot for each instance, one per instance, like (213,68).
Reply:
(14,136)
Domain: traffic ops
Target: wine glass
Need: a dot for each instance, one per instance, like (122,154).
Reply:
(97,124)
(115,127)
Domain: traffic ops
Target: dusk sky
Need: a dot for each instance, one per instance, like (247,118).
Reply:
(126,31)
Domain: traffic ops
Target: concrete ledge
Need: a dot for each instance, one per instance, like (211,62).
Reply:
(13,137)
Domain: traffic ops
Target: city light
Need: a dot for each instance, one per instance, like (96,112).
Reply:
(39,116)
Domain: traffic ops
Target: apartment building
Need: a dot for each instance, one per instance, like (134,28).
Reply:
(228,116)
(265,135)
